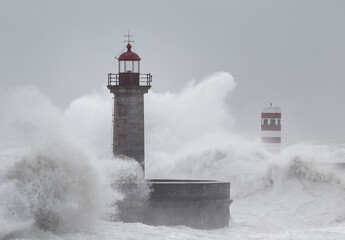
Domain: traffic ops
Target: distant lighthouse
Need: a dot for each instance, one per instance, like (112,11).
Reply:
(129,87)
(271,128)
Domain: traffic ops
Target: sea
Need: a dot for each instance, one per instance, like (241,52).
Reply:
(59,179)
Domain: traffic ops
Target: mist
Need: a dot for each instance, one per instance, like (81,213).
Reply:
(59,178)
(287,53)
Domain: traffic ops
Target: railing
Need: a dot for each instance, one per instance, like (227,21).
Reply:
(115,79)
(271,127)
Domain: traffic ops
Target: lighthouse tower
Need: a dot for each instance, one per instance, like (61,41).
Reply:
(271,128)
(129,87)
(202,204)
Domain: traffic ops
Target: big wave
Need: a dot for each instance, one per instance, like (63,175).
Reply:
(57,173)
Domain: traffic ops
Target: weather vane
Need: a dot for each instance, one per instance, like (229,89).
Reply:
(128,36)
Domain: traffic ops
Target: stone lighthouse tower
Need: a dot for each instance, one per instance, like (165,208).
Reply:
(202,204)
(129,87)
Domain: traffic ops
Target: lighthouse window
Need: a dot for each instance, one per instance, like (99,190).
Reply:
(136,66)
(122,140)
(265,122)
(128,66)
(122,66)
(272,122)
(122,110)
(278,121)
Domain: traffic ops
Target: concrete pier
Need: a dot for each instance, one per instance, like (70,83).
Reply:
(201,204)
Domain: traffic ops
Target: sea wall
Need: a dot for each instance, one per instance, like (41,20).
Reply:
(194,203)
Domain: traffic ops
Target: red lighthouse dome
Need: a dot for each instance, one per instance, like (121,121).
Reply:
(129,67)
(129,55)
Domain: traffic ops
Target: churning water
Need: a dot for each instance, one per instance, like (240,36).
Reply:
(58,179)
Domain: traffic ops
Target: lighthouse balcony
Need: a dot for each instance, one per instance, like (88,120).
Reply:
(129,79)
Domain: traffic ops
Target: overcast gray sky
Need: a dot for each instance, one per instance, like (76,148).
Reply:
(290,53)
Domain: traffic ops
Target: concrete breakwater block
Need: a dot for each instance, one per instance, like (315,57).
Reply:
(201,204)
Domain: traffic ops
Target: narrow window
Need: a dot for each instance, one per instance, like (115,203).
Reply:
(278,121)
(122,139)
(122,66)
(136,66)
(265,121)
(121,110)
(129,66)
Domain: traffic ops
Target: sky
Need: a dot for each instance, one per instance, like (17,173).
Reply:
(289,53)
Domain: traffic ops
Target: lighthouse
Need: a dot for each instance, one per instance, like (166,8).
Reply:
(202,204)
(271,128)
(129,87)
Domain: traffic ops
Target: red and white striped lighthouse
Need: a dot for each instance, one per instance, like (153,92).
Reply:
(271,128)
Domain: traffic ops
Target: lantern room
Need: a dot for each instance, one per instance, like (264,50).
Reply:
(129,67)
(129,71)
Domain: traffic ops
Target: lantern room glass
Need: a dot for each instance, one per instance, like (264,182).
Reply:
(129,66)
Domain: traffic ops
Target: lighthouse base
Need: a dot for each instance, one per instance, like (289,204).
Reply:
(194,203)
